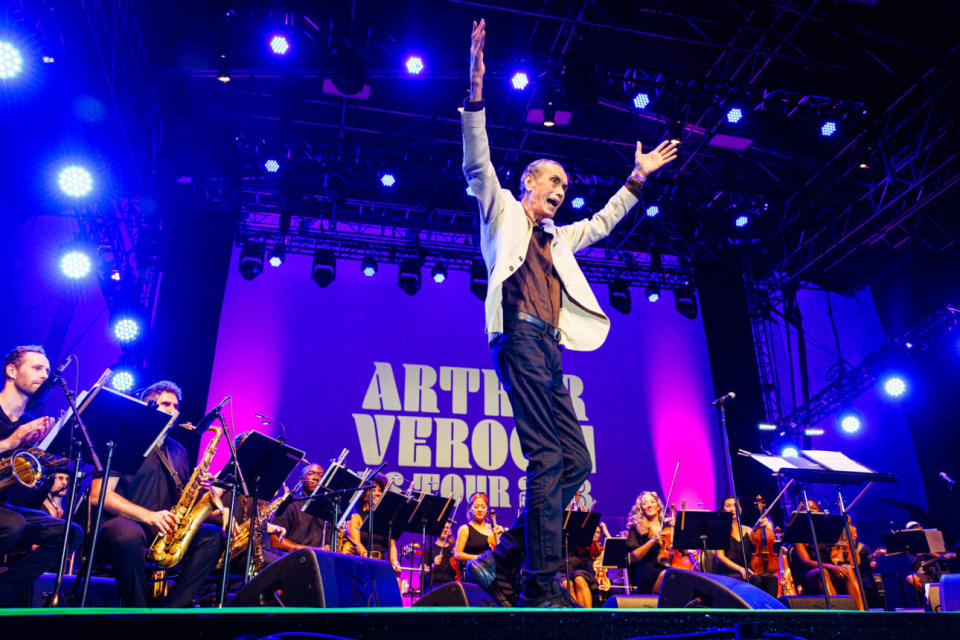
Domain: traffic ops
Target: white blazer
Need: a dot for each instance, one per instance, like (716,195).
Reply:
(505,236)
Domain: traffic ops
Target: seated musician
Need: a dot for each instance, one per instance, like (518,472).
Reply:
(837,578)
(927,568)
(643,543)
(21,528)
(380,548)
(730,562)
(140,504)
(476,536)
(303,531)
(439,562)
(580,567)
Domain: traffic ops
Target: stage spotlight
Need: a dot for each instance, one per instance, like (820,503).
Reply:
(414,65)
(894,386)
(324,269)
(275,257)
(549,115)
(279,44)
(789,451)
(369,267)
(685,301)
(765,426)
(223,69)
(641,100)
(271,165)
(75,264)
(250,263)
(577,203)
(653,292)
(388,180)
(519,81)
(850,423)
(620,295)
(438,273)
(470,191)
(75,181)
(11,62)
(653,211)
(741,221)
(126,329)
(408,278)
(828,129)
(122,381)
(478,279)
(813,431)
(734,115)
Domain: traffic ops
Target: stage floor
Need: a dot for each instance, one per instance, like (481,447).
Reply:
(489,624)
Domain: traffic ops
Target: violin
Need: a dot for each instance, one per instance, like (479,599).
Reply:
(494,538)
(668,556)
(763,559)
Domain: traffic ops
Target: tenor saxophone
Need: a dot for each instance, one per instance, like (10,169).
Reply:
(241,536)
(168,550)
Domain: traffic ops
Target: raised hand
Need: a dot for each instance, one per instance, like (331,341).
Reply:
(647,163)
(28,434)
(477,68)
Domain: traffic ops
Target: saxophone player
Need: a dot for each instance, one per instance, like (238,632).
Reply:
(140,503)
(24,370)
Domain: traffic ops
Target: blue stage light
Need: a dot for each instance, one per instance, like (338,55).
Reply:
(850,423)
(470,190)
(520,81)
(75,181)
(414,65)
(577,203)
(828,129)
(369,267)
(894,386)
(275,257)
(653,292)
(734,115)
(126,329)
(641,100)
(11,62)
(741,222)
(652,211)
(75,264)
(271,165)
(438,273)
(122,381)
(279,44)
(790,451)
(388,180)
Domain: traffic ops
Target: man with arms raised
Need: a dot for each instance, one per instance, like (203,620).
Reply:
(538,301)
(24,370)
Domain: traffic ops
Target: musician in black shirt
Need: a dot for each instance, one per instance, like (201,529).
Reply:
(24,370)
(303,531)
(140,505)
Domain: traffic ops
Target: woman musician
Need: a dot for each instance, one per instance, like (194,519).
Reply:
(730,562)
(581,579)
(834,574)
(439,563)
(478,535)
(644,533)
(381,547)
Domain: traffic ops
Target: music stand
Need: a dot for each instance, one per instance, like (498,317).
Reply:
(383,515)
(616,556)
(578,530)
(427,516)
(703,530)
(325,501)
(123,431)
(264,464)
(914,541)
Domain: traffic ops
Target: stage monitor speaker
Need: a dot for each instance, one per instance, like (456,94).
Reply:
(681,589)
(950,592)
(456,594)
(631,602)
(312,578)
(840,603)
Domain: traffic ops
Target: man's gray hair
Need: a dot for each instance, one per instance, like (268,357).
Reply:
(534,169)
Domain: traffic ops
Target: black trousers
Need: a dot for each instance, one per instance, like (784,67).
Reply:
(123,543)
(21,528)
(527,361)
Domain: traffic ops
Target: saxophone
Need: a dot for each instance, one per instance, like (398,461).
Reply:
(241,535)
(168,550)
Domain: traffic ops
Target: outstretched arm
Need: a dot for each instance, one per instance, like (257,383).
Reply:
(477,69)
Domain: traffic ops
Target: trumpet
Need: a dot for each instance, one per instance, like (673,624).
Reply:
(27,466)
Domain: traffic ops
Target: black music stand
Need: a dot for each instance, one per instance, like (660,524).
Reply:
(616,556)
(123,431)
(326,500)
(386,518)
(426,515)
(264,464)
(703,530)
(578,530)
(914,541)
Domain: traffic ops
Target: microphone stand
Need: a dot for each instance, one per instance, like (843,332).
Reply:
(728,459)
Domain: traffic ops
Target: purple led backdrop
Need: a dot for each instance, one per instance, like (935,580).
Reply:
(346,367)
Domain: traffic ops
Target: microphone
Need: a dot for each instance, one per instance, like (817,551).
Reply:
(722,399)
(208,419)
(950,481)
(39,397)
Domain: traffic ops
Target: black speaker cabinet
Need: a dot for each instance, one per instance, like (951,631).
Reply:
(841,603)
(631,602)
(311,578)
(456,594)
(681,589)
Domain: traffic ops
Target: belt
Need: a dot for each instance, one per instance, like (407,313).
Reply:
(550,330)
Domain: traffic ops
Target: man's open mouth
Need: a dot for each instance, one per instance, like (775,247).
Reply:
(554,202)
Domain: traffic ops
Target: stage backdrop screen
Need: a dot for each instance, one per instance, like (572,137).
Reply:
(408,381)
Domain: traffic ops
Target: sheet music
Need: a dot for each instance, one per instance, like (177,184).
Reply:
(836,461)
(64,419)
(774,463)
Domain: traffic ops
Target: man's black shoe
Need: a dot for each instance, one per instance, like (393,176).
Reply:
(483,569)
